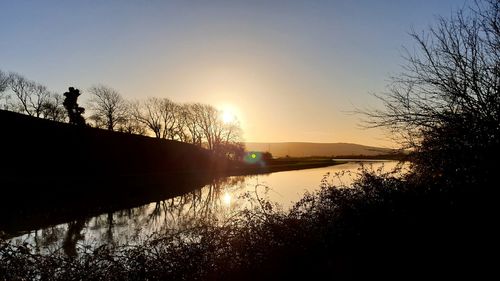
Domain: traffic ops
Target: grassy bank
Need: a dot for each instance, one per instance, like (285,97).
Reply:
(283,164)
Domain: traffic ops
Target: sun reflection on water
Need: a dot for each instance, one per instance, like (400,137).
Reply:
(222,199)
(226,199)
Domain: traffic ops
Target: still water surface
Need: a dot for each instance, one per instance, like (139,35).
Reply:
(222,199)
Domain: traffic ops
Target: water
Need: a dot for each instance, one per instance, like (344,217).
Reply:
(221,200)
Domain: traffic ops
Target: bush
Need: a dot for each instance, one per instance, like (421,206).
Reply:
(383,226)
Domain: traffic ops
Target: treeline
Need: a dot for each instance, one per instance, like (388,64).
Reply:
(435,221)
(30,97)
(400,156)
(195,123)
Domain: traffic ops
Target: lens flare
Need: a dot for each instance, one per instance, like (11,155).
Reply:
(254,158)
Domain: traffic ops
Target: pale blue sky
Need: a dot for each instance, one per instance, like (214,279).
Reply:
(291,70)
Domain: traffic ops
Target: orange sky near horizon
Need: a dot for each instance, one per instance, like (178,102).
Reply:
(292,71)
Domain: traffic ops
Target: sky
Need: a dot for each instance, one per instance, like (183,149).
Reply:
(289,70)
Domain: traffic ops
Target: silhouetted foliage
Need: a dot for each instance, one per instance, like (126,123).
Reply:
(189,120)
(108,107)
(74,110)
(129,124)
(158,115)
(29,95)
(4,80)
(53,108)
(195,123)
(385,225)
(446,105)
(437,221)
(232,150)
(267,156)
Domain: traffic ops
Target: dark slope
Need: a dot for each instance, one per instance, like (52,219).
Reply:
(33,146)
(61,170)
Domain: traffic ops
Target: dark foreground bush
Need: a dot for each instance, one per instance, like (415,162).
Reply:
(382,227)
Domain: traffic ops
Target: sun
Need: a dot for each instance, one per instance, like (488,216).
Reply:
(228,116)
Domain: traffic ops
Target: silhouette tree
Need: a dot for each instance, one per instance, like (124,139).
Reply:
(4,80)
(199,124)
(446,103)
(73,235)
(169,117)
(74,111)
(130,124)
(108,107)
(267,156)
(160,115)
(30,95)
(31,98)
(148,113)
(191,129)
(53,108)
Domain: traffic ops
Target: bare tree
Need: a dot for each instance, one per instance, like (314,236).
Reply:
(31,98)
(4,80)
(207,117)
(4,98)
(53,108)
(30,95)
(39,97)
(191,122)
(231,132)
(447,100)
(181,131)
(22,89)
(228,140)
(196,123)
(161,116)
(148,113)
(169,118)
(131,124)
(108,107)
(455,71)
(187,126)
(217,134)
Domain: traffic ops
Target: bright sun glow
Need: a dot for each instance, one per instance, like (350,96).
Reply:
(227,199)
(228,116)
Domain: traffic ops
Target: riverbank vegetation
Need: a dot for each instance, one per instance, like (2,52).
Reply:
(382,226)
(199,124)
(435,222)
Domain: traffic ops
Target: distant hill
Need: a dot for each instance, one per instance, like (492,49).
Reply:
(305,149)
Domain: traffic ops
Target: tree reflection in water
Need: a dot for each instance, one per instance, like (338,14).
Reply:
(73,235)
(131,226)
(223,200)
(187,211)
